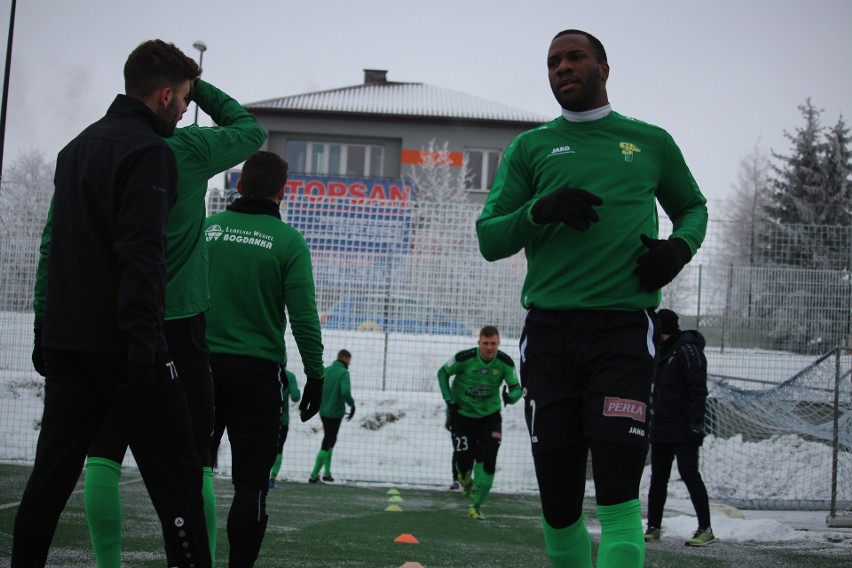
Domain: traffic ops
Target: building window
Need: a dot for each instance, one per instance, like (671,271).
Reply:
(332,158)
(482,166)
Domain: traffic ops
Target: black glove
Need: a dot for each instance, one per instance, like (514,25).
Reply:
(513,395)
(452,414)
(696,434)
(351,413)
(570,205)
(38,354)
(663,261)
(311,399)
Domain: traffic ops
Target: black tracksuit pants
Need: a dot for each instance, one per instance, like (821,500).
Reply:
(80,388)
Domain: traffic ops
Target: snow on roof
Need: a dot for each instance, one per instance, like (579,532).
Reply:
(382,97)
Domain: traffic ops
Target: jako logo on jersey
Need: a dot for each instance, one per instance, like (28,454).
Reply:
(637,431)
(627,150)
(213,232)
(561,150)
(624,408)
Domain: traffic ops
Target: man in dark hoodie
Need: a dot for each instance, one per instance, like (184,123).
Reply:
(679,400)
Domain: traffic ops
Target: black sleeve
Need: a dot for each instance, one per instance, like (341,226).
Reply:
(693,368)
(145,188)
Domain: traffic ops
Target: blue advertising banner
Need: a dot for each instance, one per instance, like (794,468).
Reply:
(352,225)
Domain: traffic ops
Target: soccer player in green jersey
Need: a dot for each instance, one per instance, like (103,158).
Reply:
(336,394)
(260,276)
(579,195)
(292,392)
(473,404)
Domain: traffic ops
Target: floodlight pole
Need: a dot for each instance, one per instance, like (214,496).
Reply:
(6,74)
(201,47)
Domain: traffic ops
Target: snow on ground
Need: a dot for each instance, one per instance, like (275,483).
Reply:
(414,448)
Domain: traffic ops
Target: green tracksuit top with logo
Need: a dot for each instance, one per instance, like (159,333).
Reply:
(336,391)
(476,386)
(630,165)
(201,153)
(258,266)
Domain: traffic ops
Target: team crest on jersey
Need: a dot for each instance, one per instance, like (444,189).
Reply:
(213,232)
(627,150)
(624,408)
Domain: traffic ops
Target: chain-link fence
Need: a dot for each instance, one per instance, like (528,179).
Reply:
(402,286)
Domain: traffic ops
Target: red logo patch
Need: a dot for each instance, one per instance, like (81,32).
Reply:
(624,408)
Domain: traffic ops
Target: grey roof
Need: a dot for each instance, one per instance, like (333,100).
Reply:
(399,99)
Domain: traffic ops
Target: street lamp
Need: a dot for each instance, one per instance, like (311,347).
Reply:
(201,47)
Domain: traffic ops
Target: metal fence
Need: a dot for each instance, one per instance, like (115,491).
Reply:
(763,324)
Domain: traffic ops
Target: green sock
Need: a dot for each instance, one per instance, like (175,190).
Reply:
(276,467)
(478,471)
(208,495)
(321,456)
(102,503)
(328,463)
(484,482)
(569,547)
(622,541)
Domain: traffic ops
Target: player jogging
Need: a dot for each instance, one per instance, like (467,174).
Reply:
(579,195)
(473,404)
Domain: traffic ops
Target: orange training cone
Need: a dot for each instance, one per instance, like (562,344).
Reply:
(407,539)
(411,565)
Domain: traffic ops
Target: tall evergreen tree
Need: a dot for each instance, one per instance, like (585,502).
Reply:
(808,227)
(809,205)
(837,175)
(798,183)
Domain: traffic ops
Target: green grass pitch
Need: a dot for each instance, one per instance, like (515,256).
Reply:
(348,525)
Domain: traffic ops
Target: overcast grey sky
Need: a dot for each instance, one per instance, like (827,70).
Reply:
(721,77)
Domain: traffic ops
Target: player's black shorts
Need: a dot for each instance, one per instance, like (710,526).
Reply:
(478,439)
(188,350)
(587,374)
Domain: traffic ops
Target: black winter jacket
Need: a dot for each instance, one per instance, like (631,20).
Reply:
(106,277)
(680,388)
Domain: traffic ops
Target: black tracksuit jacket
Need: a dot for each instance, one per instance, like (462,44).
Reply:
(114,186)
(680,388)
